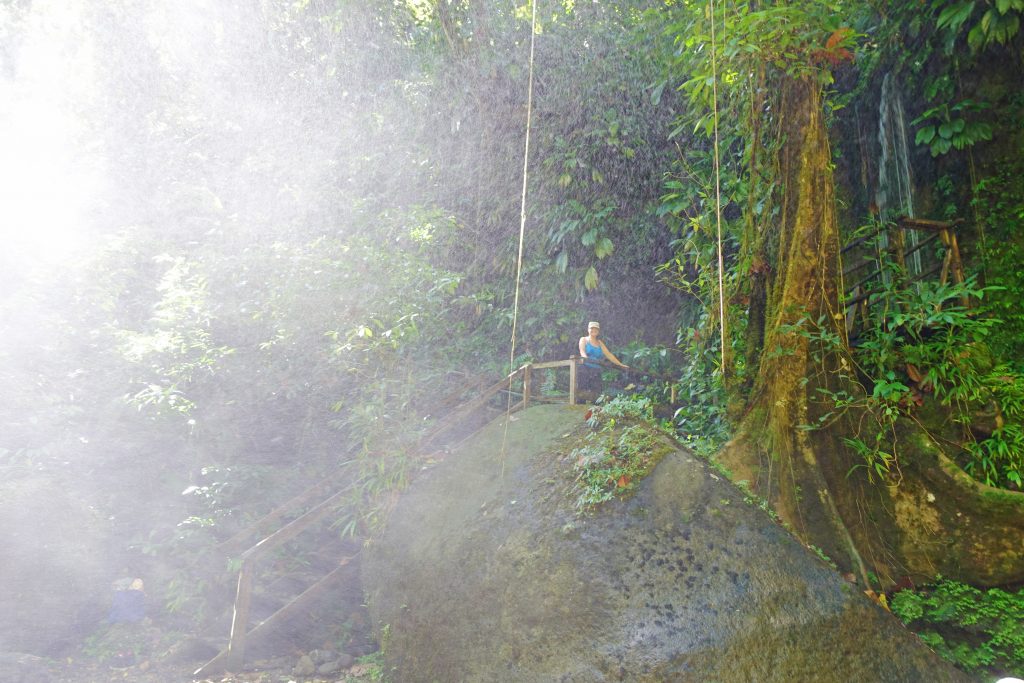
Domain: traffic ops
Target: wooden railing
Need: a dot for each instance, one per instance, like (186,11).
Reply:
(867,270)
(233,657)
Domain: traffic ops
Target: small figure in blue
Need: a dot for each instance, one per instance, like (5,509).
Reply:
(593,352)
(127,614)
(129,606)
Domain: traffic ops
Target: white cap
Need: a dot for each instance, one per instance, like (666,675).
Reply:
(593,323)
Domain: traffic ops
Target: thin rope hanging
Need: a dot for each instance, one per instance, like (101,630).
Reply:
(522,232)
(522,203)
(718,186)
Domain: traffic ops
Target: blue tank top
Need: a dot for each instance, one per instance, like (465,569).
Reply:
(595,352)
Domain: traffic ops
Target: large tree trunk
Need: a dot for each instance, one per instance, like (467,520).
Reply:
(912,524)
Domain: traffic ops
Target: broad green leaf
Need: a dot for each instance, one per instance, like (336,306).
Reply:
(1005,28)
(589,237)
(562,262)
(603,248)
(590,279)
(976,37)
(987,21)
(955,15)
(940,146)
(925,135)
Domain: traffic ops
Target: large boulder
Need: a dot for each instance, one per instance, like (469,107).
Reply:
(485,573)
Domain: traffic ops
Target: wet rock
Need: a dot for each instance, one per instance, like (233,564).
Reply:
(682,581)
(323,656)
(16,667)
(304,667)
(345,660)
(329,668)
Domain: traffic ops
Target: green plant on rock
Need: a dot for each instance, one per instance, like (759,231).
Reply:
(974,629)
(701,420)
(614,457)
(1000,457)
(371,668)
(636,407)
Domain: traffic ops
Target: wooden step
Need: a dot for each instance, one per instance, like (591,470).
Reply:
(232,658)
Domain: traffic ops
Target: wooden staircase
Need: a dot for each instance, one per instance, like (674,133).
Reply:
(325,497)
(914,244)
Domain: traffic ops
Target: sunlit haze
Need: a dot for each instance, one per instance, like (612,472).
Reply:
(49,172)
(296,376)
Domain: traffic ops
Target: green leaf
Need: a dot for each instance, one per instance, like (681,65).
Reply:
(603,248)
(954,16)
(590,279)
(589,237)
(945,131)
(941,146)
(976,37)
(656,93)
(562,262)
(987,21)
(925,135)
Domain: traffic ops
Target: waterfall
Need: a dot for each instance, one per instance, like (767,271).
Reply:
(895,193)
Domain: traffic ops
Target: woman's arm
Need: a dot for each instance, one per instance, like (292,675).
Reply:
(583,347)
(611,356)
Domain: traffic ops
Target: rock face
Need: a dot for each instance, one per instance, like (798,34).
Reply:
(484,573)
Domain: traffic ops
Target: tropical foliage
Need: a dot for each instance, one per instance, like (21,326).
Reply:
(306,238)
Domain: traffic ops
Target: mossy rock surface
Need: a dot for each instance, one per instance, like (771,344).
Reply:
(484,573)
(948,524)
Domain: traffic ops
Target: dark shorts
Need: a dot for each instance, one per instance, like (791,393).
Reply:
(589,379)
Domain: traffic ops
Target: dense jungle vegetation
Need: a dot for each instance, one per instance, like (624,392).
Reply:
(296,229)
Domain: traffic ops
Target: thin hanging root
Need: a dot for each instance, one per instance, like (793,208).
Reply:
(718,190)
(522,231)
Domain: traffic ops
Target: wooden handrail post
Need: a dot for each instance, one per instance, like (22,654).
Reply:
(240,619)
(572,382)
(526,385)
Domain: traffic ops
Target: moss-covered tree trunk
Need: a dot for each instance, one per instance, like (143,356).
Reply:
(920,522)
(802,296)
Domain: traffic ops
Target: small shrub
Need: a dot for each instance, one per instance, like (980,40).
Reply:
(614,457)
(976,630)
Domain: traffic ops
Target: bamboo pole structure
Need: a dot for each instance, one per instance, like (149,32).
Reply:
(235,657)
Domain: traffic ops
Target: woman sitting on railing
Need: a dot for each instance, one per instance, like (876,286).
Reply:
(593,353)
